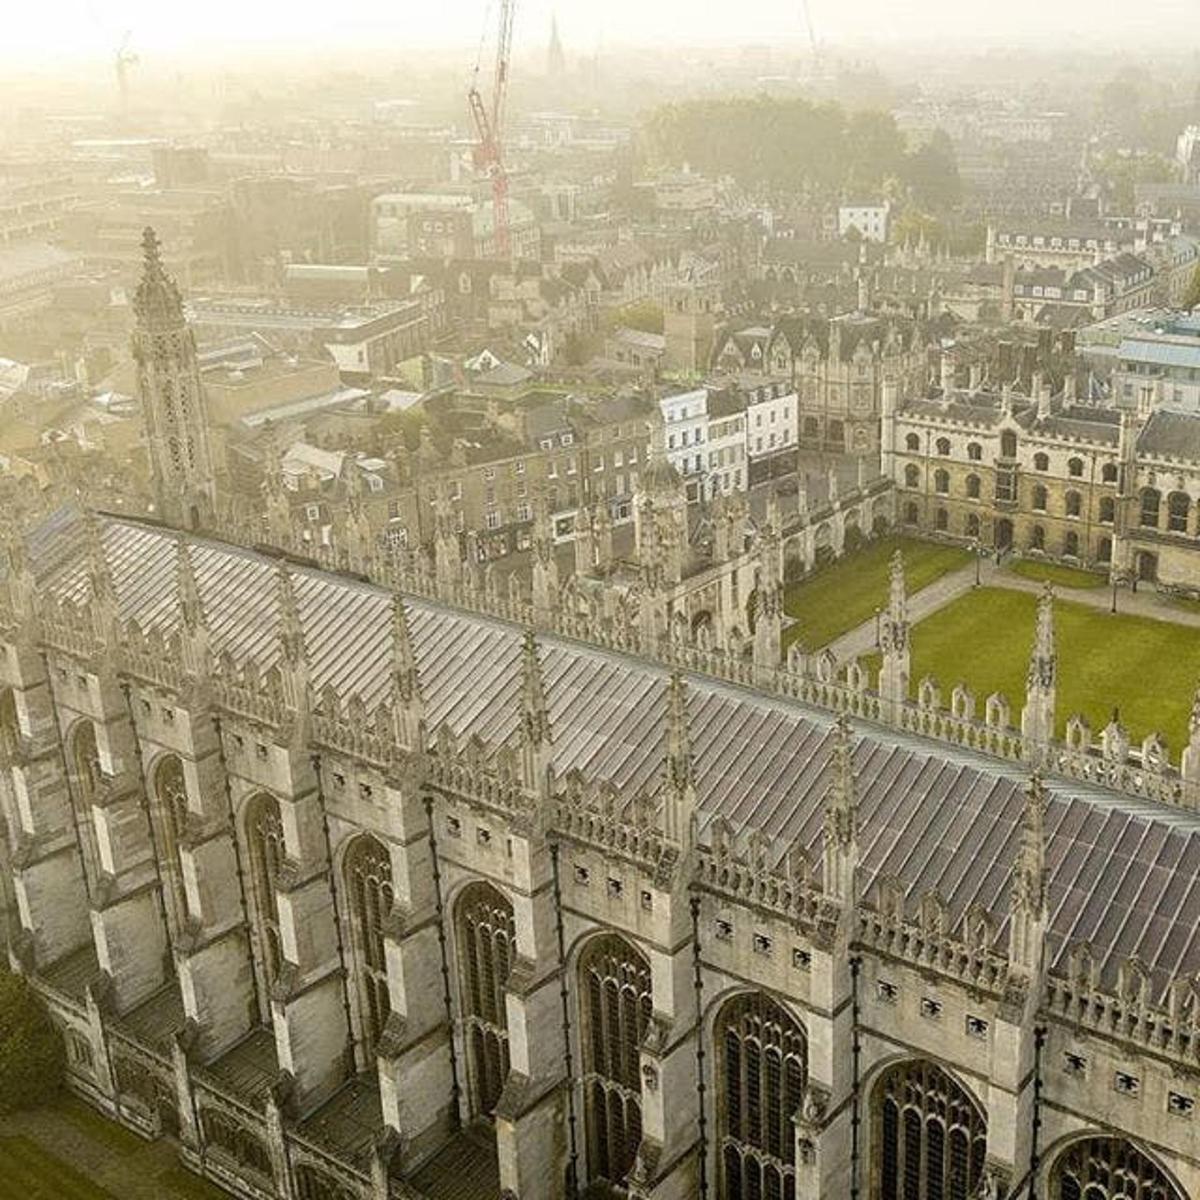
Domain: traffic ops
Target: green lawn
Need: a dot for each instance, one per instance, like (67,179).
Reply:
(1061,577)
(1150,669)
(27,1172)
(843,595)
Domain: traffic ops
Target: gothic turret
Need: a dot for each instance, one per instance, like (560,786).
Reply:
(174,413)
(1037,717)
(840,847)
(893,640)
(197,656)
(406,684)
(536,740)
(1028,904)
(679,802)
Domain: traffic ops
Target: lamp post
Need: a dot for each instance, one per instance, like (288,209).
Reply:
(1118,578)
(977,554)
(877,613)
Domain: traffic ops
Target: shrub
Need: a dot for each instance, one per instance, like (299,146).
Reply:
(31,1050)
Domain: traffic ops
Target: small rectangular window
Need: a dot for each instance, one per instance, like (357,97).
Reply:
(582,875)
(801,959)
(887,992)
(723,930)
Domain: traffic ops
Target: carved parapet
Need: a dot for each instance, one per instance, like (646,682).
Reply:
(928,946)
(740,873)
(594,815)
(1129,1014)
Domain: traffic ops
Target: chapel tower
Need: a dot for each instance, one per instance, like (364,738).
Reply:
(172,398)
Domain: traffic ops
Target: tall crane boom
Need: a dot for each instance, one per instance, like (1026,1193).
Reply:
(489,126)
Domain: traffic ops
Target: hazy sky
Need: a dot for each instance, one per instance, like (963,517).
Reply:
(41,31)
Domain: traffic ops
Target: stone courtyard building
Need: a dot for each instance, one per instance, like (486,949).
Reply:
(1045,475)
(836,365)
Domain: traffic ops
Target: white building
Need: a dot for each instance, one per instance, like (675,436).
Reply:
(726,439)
(772,429)
(871,220)
(685,423)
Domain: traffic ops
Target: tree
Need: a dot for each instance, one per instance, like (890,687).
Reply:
(645,316)
(31,1050)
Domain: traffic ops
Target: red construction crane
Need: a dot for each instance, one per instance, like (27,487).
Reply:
(489,124)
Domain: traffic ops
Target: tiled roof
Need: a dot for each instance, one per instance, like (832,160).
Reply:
(1123,874)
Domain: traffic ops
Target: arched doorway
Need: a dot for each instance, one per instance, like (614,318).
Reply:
(615,998)
(1004,534)
(486,941)
(1108,1168)
(1147,566)
(763,1056)
(929,1135)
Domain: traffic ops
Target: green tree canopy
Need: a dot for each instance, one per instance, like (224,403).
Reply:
(796,145)
(31,1050)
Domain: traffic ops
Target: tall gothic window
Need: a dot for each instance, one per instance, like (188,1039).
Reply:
(368,872)
(616,997)
(486,938)
(930,1137)
(763,1064)
(1150,504)
(171,792)
(85,758)
(264,838)
(1106,1168)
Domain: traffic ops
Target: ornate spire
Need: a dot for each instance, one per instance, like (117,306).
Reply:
(893,641)
(679,748)
(291,632)
(103,599)
(195,644)
(404,661)
(191,607)
(533,729)
(1037,717)
(679,802)
(898,591)
(841,818)
(535,713)
(1029,892)
(1043,662)
(156,301)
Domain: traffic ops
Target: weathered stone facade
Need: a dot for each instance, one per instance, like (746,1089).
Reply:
(358,893)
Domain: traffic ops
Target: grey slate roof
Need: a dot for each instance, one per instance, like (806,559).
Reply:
(1171,435)
(1123,874)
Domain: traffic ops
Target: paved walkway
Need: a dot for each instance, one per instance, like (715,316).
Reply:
(1146,602)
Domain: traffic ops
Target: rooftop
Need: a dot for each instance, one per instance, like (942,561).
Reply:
(1123,874)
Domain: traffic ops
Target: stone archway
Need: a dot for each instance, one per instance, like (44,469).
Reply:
(1108,1168)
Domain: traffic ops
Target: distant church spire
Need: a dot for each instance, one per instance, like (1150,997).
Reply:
(172,397)
(556,60)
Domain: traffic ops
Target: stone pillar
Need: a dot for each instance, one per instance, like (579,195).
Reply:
(308,1001)
(48,875)
(667,1163)
(531,1114)
(416,1081)
(212,952)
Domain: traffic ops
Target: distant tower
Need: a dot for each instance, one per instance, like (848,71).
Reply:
(173,406)
(556,60)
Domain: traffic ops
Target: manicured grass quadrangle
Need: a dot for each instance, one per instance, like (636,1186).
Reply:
(1148,669)
(27,1172)
(843,595)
